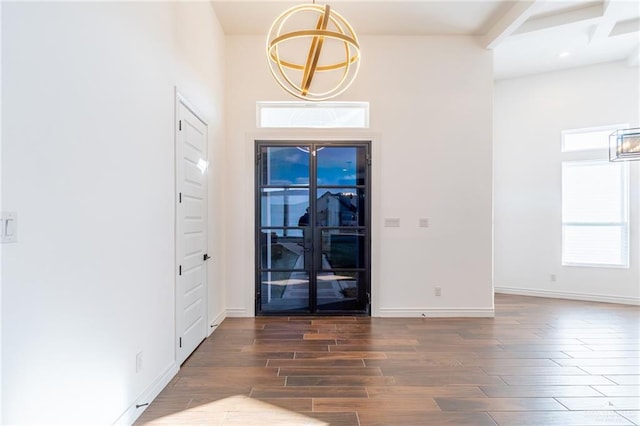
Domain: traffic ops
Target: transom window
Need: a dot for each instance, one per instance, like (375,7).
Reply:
(592,138)
(314,115)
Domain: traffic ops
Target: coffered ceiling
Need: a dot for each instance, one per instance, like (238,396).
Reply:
(527,37)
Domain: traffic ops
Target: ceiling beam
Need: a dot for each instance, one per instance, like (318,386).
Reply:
(603,28)
(611,25)
(508,23)
(625,27)
(590,13)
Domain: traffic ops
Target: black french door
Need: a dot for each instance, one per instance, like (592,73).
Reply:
(313,233)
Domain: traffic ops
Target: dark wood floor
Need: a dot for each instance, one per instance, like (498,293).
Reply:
(538,362)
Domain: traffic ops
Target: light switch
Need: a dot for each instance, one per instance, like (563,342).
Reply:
(423,222)
(392,222)
(9,227)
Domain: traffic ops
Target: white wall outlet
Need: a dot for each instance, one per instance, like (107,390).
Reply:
(138,362)
(423,222)
(437,291)
(552,277)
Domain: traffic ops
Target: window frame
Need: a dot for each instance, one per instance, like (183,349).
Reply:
(597,156)
(607,128)
(623,223)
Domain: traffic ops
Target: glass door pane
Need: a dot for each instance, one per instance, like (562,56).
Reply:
(343,249)
(340,207)
(341,166)
(341,292)
(283,206)
(284,165)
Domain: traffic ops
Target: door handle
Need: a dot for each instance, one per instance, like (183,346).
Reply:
(206,257)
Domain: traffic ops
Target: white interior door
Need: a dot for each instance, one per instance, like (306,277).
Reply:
(191,232)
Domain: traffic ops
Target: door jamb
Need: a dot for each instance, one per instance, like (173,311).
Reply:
(315,135)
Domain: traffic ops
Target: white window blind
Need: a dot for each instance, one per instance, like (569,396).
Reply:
(595,228)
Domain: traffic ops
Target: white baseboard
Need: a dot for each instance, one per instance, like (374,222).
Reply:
(565,295)
(216,322)
(238,313)
(133,412)
(436,312)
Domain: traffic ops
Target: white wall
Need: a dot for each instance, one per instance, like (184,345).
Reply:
(431,108)
(1,209)
(88,165)
(529,115)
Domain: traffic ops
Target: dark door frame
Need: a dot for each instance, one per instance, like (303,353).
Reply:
(364,291)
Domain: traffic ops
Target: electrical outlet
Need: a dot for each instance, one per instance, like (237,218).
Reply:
(438,291)
(138,362)
(552,277)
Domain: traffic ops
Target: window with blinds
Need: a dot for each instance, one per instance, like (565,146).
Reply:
(595,209)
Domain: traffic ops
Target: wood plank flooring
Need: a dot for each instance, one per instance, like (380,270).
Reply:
(538,362)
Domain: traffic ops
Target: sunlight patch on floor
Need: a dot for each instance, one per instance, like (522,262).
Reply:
(238,411)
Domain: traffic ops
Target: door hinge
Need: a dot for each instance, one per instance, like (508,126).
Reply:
(180,270)
(180,125)
(258,158)
(181,342)
(368,160)
(369,297)
(180,197)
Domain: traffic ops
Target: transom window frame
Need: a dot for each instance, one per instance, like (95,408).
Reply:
(608,129)
(312,115)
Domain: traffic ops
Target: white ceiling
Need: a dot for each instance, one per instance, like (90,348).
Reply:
(527,36)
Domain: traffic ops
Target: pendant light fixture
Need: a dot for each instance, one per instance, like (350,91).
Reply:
(312,51)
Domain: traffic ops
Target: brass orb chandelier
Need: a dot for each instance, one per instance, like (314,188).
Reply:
(331,47)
